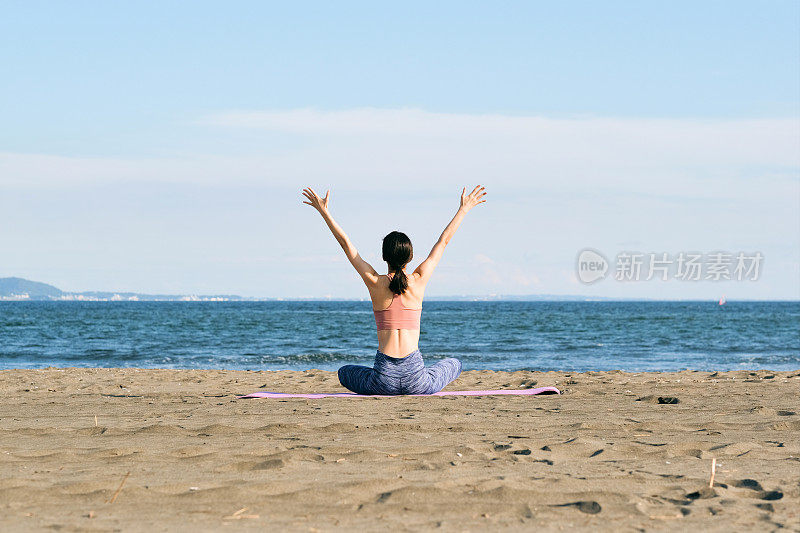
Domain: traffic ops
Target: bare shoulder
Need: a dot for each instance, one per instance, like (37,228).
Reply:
(416,288)
(418,280)
(380,293)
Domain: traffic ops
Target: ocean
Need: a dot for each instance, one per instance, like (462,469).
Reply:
(297,335)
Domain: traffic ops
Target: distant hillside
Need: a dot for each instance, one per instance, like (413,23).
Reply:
(23,289)
(35,289)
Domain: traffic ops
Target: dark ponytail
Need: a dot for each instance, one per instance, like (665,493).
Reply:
(399,282)
(397,252)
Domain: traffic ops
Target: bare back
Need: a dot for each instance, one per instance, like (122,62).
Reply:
(398,342)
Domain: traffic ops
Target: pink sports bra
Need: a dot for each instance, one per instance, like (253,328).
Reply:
(397,316)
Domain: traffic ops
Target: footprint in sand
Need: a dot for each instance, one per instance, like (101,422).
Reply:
(702,494)
(661,400)
(269,464)
(759,492)
(588,507)
(747,484)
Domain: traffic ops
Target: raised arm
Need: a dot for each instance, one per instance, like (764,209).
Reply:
(364,269)
(468,201)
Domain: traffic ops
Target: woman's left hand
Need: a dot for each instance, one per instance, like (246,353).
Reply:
(320,204)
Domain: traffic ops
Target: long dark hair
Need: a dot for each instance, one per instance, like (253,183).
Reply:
(397,252)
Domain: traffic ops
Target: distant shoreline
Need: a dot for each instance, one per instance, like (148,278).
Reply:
(464,299)
(23,290)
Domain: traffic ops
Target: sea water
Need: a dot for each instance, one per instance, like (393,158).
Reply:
(577,336)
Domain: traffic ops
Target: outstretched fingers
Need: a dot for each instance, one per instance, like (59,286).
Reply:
(315,200)
(478,192)
(474,198)
(312,198)
(310,194)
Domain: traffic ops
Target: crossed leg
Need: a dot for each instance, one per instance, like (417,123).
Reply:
(365,380)
(442,373)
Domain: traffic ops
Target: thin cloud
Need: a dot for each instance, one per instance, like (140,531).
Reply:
(770,141)
(374,149)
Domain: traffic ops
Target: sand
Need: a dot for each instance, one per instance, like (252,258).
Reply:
(614,452)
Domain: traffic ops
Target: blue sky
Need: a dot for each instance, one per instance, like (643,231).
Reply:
(162,148)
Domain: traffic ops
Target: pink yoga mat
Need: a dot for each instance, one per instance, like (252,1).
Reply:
(511,392)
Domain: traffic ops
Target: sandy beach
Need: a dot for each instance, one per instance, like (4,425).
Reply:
(617,451)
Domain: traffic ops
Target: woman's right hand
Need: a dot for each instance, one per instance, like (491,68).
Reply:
(468,201)
(315,201)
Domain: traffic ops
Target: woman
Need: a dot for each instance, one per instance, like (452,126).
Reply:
(397,305)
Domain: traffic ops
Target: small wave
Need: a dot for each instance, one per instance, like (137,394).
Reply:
(492,335)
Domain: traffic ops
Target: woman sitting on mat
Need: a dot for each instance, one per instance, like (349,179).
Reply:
(398,367)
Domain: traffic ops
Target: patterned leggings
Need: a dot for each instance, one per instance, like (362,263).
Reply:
(399,375)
